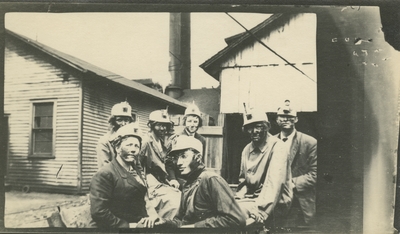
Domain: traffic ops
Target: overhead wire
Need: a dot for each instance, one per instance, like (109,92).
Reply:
(270,49)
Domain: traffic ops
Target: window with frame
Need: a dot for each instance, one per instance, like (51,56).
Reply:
(42,130)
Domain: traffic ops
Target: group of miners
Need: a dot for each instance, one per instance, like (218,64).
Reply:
(160,179)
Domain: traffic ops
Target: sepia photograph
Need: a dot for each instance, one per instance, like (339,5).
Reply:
(128,117)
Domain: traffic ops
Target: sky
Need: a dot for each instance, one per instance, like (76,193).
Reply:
(133,45)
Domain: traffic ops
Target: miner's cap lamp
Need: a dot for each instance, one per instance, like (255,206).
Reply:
(187,142)
(131,129)
(192,109)
(254,116)
(121,109)
(160,116)
(286,110)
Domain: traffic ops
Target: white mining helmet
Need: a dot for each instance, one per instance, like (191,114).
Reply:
(121,109)
(160,116)
(131,129)
(286,110)
(186,142)
(192,109)
(252,116)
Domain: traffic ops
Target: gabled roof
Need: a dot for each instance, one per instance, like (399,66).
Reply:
(86,67)
(241,40)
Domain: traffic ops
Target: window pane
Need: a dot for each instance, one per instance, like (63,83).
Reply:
(43,135)
(43,109)
(42,141)
(42,147)
(43,122)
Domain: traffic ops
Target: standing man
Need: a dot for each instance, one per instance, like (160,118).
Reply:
(121,114)
(207,200)
(164,194)
(118,191)
(264,178)
(302,158)
(192,122)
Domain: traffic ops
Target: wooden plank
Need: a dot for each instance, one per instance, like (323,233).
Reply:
(210,130)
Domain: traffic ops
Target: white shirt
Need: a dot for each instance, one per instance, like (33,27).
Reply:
(289,140)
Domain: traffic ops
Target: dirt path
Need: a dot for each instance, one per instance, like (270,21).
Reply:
(24,210)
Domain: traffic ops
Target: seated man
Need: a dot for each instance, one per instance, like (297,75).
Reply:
(163,194)
(192,121)
(264,173)
(207,200)
(118,191)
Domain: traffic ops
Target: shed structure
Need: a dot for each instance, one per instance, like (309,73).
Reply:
(353,55)
(57,107)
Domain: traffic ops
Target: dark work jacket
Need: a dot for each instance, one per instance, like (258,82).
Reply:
(153,158)
(116,197)
(208,202)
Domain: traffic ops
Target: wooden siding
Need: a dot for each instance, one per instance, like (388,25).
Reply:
(254,73)
(98,98)
(30,77)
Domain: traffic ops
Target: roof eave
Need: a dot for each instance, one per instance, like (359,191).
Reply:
(211,65)
(108,75)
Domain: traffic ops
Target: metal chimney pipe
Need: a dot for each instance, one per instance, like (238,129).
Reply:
(179,53)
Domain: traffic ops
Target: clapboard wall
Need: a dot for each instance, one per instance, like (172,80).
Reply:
(99,95)
(82,105)
(30,77)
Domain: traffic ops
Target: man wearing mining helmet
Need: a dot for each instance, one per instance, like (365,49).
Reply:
(207,200)
(162,192)
(121,114)
(302,158)
(263,188)
(192,121)
(118,191)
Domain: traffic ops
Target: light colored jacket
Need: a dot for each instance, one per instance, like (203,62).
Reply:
(269,178)
(105,151)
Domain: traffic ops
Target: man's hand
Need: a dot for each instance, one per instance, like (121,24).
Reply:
(174,183)
(160,222)
(259,217)
(147,222)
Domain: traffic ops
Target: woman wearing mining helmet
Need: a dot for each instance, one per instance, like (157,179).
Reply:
(121,114)
(165,198)
(118,191)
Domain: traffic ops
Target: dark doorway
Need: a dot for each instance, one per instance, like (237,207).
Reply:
(236,140)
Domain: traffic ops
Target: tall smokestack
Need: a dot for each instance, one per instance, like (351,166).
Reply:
(179,53)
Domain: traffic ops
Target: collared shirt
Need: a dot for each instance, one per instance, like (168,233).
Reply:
(189,133)
(255,152)
(288,143)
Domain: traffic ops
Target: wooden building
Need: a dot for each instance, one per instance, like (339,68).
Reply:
(355,54)
(250,72)
(57,107)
